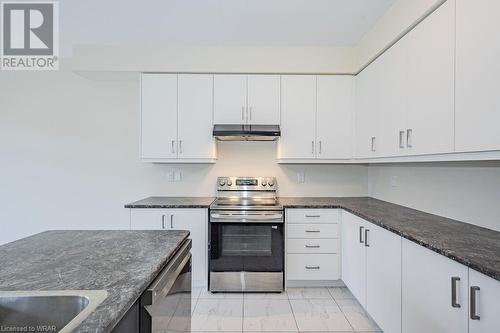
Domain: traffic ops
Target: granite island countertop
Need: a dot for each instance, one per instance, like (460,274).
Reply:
(124,263)
(172,202)
(468,244)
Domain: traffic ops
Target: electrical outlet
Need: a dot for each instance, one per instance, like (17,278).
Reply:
(177,175)
(301,177)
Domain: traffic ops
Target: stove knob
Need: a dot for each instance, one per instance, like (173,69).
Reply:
(271,183)
(229,183)
(222,182)
(264,183)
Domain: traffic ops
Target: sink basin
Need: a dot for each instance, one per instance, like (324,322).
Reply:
(49,311)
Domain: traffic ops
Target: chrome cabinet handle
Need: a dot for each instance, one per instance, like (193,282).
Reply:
(313,267)
(313,231)
(173,146)
(361,234)
(473,303)
(312,246)
(409,134)
(171,221)
(242,113)
(401,139)
(180,146)
(454,281)
(312,147)
(319,147)
(163,221)
(250,113)
(366,237)
(310,216)
(373,144)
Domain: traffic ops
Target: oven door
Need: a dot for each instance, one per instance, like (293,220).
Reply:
(246,251)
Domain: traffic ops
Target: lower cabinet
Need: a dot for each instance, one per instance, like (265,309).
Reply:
(312,245)
(195,220)
(484,305)
(371,269)
(435,297)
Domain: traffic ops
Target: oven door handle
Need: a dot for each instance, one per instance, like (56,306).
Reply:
(262,218)
(163,283)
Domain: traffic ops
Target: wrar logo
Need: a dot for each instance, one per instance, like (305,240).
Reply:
(29,35)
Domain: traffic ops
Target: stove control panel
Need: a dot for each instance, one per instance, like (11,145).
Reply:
(246,184)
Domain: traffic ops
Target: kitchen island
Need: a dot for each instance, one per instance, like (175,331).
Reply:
(123,263)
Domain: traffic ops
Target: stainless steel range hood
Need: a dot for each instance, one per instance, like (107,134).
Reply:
(246,132)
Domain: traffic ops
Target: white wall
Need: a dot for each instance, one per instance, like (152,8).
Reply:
(468,191)
(69,157)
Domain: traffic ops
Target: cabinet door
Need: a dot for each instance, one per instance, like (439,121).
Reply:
(335,98)
(195,116)
(194,220)
(354,255)
(487,303)
(264,99)
(430,115)
(478,69)
(298,117)
(230,99)
(427,291)
(368,96)
(383,278)
(159,115)
(149,219)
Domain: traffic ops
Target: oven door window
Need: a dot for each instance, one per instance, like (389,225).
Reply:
(246,247)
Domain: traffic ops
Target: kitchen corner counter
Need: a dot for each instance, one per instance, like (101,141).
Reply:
(124,263)
(172,202)
(473,246)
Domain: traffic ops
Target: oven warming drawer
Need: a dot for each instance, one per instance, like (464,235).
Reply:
(246,281)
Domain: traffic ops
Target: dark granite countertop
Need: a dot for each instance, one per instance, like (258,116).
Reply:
(473,246)
(172,202)
(124,263)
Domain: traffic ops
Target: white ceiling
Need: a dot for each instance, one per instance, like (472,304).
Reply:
(217,22)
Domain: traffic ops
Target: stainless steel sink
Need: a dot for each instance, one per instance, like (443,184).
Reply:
(49,311)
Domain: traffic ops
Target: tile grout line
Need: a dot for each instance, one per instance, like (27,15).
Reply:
(340,308)
(293,313)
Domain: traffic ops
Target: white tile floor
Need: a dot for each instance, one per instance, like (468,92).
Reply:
(297,310)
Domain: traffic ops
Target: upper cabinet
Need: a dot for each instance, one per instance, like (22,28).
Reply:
(247,99)
(406,96)
(477,72)
(170,102)
(316,117)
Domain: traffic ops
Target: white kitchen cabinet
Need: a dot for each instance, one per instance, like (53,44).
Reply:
(383,278)
(298,117)
(354,255)
(176,118)
(263,99)
(428,300)
(312,267)
(194,220)
(477,112)
(247,99)
(159,116)
(335,112)
(316,117)
(484,293)
(230,99)
(431,75)
(195,138)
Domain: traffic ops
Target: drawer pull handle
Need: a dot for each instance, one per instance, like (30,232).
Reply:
(454,281)
(310,216)
(312,246)
(312,267)
(473,303)
(313,231)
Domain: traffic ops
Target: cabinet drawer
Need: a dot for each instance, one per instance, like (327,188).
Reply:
(313,230)
(312,267)
(313,215)
(312,245)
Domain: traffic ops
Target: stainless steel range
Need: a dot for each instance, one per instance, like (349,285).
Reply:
(246,236)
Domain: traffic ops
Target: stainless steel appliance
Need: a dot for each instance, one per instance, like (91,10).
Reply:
(246,236)
(166,304)
(246,132)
